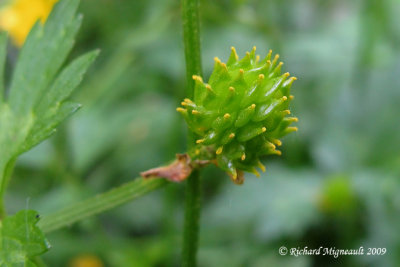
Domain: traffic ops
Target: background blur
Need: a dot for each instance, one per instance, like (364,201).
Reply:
(336,185)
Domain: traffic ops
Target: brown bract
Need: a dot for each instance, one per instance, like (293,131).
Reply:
(177,171)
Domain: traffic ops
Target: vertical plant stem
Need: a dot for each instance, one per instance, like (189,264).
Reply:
(3,185)
(192,218)
(3,212)
(191,38)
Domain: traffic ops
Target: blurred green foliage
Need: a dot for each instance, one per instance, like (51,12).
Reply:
(336,184)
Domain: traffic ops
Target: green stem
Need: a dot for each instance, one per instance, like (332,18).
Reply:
(39,262)
(3,55)
(3,212)
(191,38)
(3,186)
(192,218)
(100,203)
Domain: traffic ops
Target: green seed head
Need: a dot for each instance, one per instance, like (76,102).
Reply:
(241,113)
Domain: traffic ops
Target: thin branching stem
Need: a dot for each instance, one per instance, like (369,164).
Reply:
(100,203)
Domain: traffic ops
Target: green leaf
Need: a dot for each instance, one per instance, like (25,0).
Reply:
(21,239)
(44,52)
(36,99)
(13,132)
(67,81)
(46,126)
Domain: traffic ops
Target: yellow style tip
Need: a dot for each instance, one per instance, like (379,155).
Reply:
(233,49)
(227,116)
(253,106)
(243,157)
(261,166)
(219,150)
(232,135)
(273,147)
(195,112)
(199,141)
(263,129)
(197,78)
(234,176)
(277,142)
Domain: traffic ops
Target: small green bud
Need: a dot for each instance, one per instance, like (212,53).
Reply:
(241,112)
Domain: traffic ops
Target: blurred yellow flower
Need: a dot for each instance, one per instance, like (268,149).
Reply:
(86,261)
(18,16)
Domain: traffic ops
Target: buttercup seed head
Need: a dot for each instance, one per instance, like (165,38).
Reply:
(243,117)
